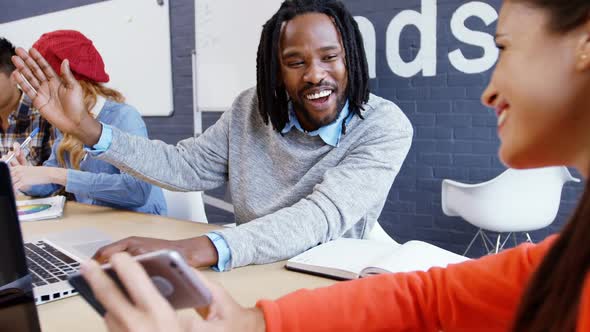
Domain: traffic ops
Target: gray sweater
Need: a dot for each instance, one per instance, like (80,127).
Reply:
(290,192)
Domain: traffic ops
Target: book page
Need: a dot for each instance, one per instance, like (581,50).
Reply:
(414,256)
(343,258)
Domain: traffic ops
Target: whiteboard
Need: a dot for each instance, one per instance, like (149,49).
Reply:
(227,36)
(133,37)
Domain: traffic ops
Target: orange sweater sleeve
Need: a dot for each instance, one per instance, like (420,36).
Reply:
(477,295)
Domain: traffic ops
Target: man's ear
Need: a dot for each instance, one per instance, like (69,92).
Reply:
(582,54)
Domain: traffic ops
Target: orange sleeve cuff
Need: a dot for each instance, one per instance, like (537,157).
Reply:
(272,315)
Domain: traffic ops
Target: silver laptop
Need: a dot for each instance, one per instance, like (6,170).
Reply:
(50,259)
(53,257)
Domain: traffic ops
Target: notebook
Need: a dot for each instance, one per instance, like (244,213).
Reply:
(41,208)
(345,259)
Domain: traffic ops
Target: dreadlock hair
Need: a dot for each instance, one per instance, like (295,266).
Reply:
(272,96)
(7,50)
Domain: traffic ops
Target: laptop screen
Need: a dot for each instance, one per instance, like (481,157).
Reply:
(17,305)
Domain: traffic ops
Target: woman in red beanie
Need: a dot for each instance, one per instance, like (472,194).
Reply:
(70,167)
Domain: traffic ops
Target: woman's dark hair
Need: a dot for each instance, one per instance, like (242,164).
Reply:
(272,97)
(552,299)
(563,15)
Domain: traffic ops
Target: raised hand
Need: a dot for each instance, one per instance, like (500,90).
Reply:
(59,99)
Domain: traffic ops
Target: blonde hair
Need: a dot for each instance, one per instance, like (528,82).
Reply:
(71,145)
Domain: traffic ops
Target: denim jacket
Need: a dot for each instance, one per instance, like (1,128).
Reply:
(100,183)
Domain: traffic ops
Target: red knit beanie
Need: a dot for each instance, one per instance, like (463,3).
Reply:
(85,61)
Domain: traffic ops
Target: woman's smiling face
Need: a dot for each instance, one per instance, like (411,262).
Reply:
(539,90)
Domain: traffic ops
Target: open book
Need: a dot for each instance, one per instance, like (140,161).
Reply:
(353,258)
(41,208)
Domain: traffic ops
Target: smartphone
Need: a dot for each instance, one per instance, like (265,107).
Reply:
(172,276)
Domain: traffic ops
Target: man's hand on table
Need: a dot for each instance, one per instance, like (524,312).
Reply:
(198,251)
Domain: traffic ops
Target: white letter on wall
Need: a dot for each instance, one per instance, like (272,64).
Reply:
(369,42)
(426,58)
(477,38)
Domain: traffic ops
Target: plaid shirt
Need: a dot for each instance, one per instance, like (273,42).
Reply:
(20,125)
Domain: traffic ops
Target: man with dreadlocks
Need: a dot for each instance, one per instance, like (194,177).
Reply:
(309,154)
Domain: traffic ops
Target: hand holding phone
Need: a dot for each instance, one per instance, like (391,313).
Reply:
(171,275)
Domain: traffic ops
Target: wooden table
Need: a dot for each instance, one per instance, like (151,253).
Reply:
(246,285)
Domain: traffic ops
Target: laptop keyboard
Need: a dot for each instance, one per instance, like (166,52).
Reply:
(48,264)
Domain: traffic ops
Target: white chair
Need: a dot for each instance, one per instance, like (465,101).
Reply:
(379,234)
(185,205)
(515,201)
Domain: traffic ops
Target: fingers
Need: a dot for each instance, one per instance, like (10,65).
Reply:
(45,68)
(27,77)
(31,69)
(19,156)
(137,283)
(13,161)
(106,291)
(103,254)
(113,325)
(16,174)
(66,74)
(191,323)
(24,84)
(136,250)
(212,286)
(203,312)
(19,177)
(218,301)
(146,310)
(133,245)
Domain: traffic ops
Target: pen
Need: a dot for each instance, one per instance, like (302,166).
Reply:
(24,144)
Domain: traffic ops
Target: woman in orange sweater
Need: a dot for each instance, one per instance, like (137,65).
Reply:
(540,91)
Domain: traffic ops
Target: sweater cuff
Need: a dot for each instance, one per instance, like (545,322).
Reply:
(272,315)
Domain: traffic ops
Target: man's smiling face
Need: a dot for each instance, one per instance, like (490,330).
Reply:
(313,69)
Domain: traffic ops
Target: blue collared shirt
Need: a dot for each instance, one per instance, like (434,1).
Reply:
(330,134)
